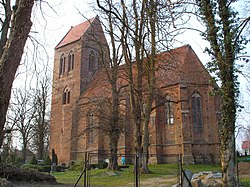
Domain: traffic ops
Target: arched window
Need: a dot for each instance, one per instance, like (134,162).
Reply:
(90,131)
(62,65)
(66,96)
(92,61)
(169,111)
(71,59)
(196,113)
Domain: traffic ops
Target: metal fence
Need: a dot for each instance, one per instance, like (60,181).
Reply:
(164,170)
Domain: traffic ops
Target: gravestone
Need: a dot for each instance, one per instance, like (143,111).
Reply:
(187,179)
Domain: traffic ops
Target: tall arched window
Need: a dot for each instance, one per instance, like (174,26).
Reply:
(62,65)
(66,96)
(196,113)
(71,59)
(92,61)
(90,131)
(169,111)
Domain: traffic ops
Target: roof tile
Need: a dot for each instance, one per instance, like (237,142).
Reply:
(245,145)
(75,33)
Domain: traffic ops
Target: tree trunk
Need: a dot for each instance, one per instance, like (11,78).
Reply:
(227,129)
(113,164)
(150,72)
(114,122)
(228,165)
(222,25)
(12,54)
(41,131)
(24,151)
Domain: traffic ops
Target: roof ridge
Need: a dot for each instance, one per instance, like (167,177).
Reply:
(90,22)
(75,33)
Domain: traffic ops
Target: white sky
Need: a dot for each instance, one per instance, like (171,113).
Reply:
(67,15)
(54,24)
(60,20)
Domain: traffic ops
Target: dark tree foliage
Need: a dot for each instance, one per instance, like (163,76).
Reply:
(33,160)
(47,160)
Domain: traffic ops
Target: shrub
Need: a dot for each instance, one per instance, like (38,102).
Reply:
(76,167)
(103,165)
(47,161)
(60,168)
(11,159)
(33,160)
(16,174)
(31,167)
(41,168)
(45,168)
(100,165)
(79,165)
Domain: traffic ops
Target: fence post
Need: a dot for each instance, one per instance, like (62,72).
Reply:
(85,168)
(136,171)
(181,174)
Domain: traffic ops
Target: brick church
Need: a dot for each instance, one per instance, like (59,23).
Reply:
(185,123)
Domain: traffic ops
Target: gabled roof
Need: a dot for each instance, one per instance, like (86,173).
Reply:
(179,65)
(245,145)
(75,33)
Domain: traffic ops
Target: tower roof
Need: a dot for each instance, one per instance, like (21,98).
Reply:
(245,145)
(74,33)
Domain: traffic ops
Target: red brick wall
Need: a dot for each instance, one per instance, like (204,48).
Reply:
(64,136)
(180,77)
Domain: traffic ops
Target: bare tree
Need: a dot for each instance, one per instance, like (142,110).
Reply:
(23,114)
(100,123)
(143,36)
(110,58)
(40,138)
(140,30)
(15,28)
(7,147)
(112,70)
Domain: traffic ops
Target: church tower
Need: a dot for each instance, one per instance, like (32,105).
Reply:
(77,57)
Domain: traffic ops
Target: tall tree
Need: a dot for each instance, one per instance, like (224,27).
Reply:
(40,138)
(100,122)
(223,31)
(23,112)
(145,27)
(7,147)
(140,31)
(111,26)
(112,70)
(151,10)
(15,28)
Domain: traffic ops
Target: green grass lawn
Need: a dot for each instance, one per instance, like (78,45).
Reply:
(245,181)
(123,177)
(102,177)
